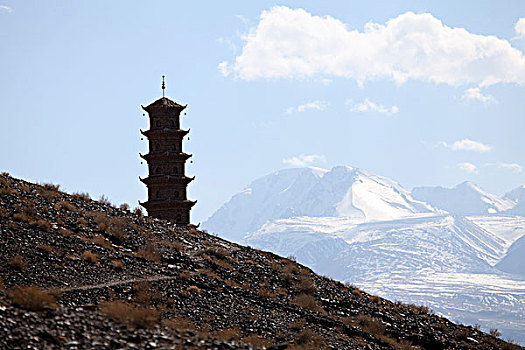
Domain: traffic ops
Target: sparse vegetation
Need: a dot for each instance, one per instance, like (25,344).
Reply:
(117,264)
(18,262)
(92,252)
(90,257)
(130,315)
(32,298)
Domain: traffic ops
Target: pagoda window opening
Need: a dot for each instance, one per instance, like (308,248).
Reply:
(158,123)
(172,122)
(175,170)
(157,194)
(157,170)
(157,147)
(179,217)
(177,194)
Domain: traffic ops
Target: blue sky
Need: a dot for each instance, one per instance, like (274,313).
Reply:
(426,93)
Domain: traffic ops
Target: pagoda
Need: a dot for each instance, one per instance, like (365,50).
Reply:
(167,180)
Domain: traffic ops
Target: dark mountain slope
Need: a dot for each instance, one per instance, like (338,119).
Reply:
(102,277)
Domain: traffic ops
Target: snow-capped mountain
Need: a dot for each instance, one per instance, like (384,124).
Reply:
(313,192)
(517,195)
(446,248)
(465,199)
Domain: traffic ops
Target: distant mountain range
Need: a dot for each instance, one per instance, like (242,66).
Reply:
(460,250)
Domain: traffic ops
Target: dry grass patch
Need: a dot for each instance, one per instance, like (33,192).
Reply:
(306,285)
(90,257)
(306,339)
(41,224)
(130,315)
(66,206)
(193,289)
(23,217)
(83,196)
(102,241)
(49,249)
(117,264)
(32,298)
(17,262)
(149,252)
(307,301)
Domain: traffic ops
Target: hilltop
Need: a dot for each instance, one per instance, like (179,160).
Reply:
(80,273)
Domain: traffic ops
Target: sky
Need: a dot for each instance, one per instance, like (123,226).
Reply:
(426,93)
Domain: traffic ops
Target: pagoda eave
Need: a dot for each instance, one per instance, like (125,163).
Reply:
(164,179)
(168,204)
(169,155)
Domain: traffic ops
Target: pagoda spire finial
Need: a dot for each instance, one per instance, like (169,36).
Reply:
(163,86)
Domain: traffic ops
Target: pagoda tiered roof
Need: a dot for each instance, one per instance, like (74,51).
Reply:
(160,179)
(164,131)
(163,102)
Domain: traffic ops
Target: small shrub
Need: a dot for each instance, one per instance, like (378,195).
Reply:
(32,298)
(41,224)
(83,196)
(82,222)
(90,257)
(494,332)
(65,206)
(307,301)
(104,200)
(50,187)
(7,191)
(135,317)
(102,241)
(25,188)
(292,258)
(18,262)
(124,206)
(305,285)
(48,249)
(376,299)
(138,211)
(149,252)
(193,289)
(117,264)
(265,293)
(218,253)
(23,217)
(372,325)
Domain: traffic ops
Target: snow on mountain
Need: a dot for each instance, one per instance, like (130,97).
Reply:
(465,199)
(517,195)
(514,261)
(341,192)
(359,227)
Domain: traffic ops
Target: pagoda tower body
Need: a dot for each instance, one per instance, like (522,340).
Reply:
(167,181)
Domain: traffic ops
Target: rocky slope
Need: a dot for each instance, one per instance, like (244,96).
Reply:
(77,273)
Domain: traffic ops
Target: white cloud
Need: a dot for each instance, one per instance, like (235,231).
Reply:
(511,166)
(468,145)
(520,28)
(369,106)
(5,8)
(475,94)
(304,160)
(223,68)
(243,19)
(316,105)
(468,167)
(515,167)
(290,43)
